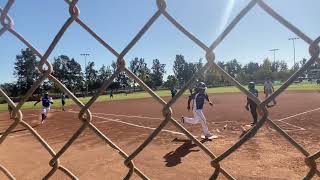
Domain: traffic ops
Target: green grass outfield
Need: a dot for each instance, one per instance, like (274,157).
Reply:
(162,93)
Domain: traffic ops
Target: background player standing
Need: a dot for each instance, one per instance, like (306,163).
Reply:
(268,90)
(111,94)
(46,104)
(173,91)
(252,104)
(63,101)
(198,98)
(10,111)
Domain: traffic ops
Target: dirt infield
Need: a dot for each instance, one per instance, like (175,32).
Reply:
(170,156)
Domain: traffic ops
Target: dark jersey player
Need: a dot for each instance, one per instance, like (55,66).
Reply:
(46,102)
(63,101)
(197,99)
(173,92)
(251,103)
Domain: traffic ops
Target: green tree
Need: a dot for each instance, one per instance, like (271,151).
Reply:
(199,66)
(222,65)
(104,73)
(68,71)
(265,70)
(251,68)
(184,70)
(139,68)
(11,89)
(233,68)
(283,66)
(189,70)
(179,68)
(248,72)
(171,82)
(92,77)
(143,71)
(212,77)
(114,66)
(134,67)
(157,73)
(122,80)
(25,70)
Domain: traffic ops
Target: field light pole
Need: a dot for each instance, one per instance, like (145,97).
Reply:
(85,55)
(294,49)
(274,54)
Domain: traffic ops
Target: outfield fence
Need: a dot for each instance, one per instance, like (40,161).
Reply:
(85,116)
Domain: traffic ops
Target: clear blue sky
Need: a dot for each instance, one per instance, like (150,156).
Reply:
(118,21)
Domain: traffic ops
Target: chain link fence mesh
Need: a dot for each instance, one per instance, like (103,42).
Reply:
(45,69)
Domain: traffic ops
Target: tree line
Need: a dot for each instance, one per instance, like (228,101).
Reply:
(252,71)
(69,72)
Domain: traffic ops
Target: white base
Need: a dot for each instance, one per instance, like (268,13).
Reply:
(211,137)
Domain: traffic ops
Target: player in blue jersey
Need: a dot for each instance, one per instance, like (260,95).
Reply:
(46,104)
(197,99)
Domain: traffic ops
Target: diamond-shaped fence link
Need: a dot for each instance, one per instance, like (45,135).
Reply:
(45,69)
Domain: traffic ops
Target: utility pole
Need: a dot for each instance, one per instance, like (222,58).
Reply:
(85,55)
(294,49)
(274,54)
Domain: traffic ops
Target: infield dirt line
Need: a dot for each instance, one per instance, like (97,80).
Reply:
(295,115)
(173,132)
(146,117)
(135,125)
(299,114)
(130,124)
(130,116)
(278,120)
(298,127)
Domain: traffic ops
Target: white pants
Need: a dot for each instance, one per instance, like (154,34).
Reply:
(45,110)
(268,93)
(198,118)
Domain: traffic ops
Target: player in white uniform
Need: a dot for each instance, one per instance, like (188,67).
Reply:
(198,98)
(46,104)
(268,90)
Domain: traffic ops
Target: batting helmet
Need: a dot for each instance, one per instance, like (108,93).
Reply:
(251,85)
(201,85)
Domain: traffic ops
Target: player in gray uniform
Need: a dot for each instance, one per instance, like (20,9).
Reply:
(197,99)
(268,90)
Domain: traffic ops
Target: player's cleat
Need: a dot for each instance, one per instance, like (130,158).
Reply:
(182,119)
(225,126)
(209,136)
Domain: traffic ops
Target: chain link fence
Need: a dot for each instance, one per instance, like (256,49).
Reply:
(45,69)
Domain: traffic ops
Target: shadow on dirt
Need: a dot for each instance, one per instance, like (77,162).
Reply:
(19,130)
(174,158)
